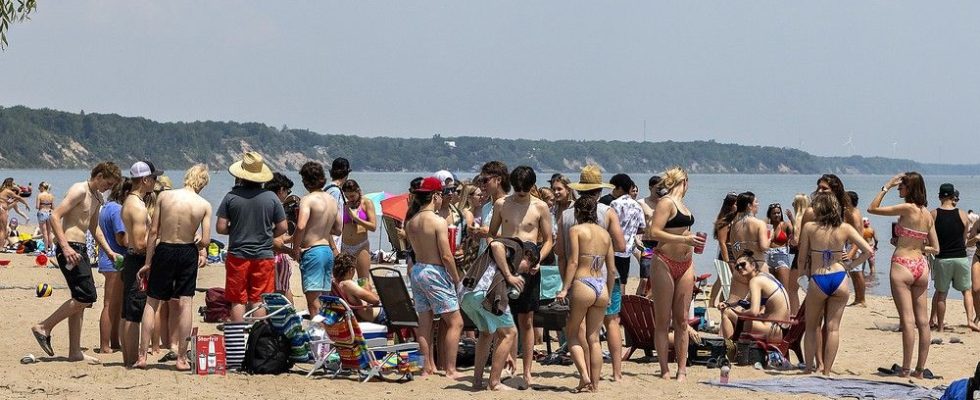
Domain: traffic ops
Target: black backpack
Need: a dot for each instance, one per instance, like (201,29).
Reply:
(266,352)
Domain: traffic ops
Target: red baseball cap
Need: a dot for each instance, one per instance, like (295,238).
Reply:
(430,184)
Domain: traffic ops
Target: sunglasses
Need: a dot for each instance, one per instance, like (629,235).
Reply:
(743,265)
(449,191)
(775,205)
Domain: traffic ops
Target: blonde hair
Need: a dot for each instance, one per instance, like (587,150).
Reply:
(673,177)
(465,191)
(800,203)
(197,177)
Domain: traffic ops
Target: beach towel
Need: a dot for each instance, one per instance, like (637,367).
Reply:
(346,337)
(836,388)
(290,325)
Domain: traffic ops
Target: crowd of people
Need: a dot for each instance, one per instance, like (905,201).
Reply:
(153,237)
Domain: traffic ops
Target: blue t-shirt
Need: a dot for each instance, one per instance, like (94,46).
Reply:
(111,223)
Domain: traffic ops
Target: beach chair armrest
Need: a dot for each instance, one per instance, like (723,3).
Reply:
(747,317)
(396,347)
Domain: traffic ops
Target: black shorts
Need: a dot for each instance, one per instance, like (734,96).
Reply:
(173,271)
(79,278)
(529,299)
(623,268)
(133,299)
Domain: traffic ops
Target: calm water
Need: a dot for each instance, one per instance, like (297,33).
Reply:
(704,197)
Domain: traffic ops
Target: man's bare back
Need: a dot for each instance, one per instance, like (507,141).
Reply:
(182,213)
(136,220)
(421,230)
(321,222)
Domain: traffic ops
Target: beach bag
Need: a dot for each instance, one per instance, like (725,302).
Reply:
(709,348)
(266,351)
(466,356)
(216,308)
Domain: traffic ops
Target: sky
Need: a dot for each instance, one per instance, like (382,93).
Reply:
(878,78)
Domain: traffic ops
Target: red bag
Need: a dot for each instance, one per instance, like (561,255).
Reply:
(216,307)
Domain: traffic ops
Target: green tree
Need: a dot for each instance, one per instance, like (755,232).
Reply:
(13,11)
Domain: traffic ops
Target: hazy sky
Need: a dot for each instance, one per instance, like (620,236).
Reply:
(754,72)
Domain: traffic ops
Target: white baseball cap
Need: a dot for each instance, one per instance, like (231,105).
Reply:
(143,169)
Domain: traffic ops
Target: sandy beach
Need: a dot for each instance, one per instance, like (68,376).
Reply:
(867,343)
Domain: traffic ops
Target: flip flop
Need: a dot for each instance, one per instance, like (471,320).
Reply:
(955,340)
(170,356)
(927,374)
(45,342)
(895,370)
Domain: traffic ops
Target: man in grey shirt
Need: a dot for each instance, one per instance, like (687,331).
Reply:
(251,217)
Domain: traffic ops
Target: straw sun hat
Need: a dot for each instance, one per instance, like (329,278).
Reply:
(589,179)
(251,168)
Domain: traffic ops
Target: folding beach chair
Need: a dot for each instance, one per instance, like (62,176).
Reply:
(285,320)
(356,353)
(396,302)
(792,336)
(398,245)
(724,278)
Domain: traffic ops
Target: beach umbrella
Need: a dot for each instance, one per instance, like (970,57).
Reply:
(395,206)
(376,198)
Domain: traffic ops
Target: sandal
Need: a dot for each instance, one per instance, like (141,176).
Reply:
(170,356)
(45,342)
(893,371)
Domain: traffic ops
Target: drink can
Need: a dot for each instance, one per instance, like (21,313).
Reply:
(698,249)
(725,371)
(769,231)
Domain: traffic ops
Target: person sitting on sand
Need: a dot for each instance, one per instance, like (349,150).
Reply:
(76,215)
(587,283)
(344,268)
(821,249)
(767,297)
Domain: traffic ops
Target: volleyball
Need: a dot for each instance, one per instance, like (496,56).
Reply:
(43,290)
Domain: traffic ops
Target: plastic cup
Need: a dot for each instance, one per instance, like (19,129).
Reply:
(452,239)
(698,249)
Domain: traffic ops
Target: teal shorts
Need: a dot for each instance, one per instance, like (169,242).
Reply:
(615,299)
(485,321)
(952,271)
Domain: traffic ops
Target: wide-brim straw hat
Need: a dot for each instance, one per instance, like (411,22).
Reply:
(251,168)
(589,179)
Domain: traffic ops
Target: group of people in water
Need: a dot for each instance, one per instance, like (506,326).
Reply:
(478,247)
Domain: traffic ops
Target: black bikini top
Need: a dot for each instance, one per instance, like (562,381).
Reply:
(680,220)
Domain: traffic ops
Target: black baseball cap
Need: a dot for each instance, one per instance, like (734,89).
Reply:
(946,190)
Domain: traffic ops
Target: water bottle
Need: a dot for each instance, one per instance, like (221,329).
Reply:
(725,370)
(513,293)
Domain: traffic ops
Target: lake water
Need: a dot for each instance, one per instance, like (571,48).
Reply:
(704,197)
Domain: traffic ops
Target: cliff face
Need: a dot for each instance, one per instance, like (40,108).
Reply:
(43,138)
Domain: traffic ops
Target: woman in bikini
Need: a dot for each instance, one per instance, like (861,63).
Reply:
(738,288)
(9,197)
(746,232)
(587,282)
(821,252)
(45,204)
(365,302)
(777,256)
(915,237)
(359,219)
(672,273)
(766,297)
(801,203)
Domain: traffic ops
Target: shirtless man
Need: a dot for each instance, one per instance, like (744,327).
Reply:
(313,245)
(136,219)
(177,246)
(434,276)
(528,219)
(648,204)
(77,214)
